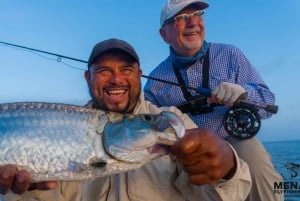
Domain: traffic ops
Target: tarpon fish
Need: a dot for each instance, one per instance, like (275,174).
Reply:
(67,142)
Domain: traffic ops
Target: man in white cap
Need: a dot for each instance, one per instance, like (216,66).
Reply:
(220,69)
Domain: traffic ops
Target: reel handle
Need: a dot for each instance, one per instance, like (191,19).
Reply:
(272,108)
(269,108)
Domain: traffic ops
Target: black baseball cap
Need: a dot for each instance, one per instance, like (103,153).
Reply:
(110,44)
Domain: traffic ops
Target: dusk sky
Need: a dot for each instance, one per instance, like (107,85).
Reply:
(266,31)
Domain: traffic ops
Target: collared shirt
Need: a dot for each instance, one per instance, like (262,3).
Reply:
(226,64)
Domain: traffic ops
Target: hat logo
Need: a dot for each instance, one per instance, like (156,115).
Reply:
(177,1)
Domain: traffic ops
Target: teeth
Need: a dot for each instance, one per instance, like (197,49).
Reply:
(192,33)
(116,91)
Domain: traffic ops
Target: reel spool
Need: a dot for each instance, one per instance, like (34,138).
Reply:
(242,121)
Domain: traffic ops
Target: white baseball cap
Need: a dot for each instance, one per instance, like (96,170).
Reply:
(172,7)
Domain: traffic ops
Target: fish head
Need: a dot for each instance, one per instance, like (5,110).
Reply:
(143,137)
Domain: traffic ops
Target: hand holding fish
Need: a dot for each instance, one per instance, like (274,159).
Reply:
(205,157)
(19,181)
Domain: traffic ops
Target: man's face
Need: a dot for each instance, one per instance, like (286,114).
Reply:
(114,82)
(186,39)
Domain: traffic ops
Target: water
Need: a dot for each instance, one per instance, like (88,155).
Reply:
(286,159)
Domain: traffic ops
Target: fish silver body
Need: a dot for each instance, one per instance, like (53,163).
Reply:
(66,142)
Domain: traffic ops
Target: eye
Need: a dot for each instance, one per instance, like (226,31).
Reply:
(148,117)
(127,70)
(101,70)
(95,162)
(104,72)
(182,17)
(98,164)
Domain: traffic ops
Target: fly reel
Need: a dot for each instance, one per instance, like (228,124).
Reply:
(242,121)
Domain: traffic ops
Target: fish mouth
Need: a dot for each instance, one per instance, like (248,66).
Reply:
(140,155)
(159,149)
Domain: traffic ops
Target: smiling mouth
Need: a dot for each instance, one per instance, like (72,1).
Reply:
(116,93)
(192,33)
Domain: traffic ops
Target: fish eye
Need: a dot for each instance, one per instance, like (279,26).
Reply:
(148,117)
(98,164)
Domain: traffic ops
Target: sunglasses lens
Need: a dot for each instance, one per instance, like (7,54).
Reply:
(182,19)
(198,13)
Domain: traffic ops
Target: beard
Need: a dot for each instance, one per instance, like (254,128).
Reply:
(101,104)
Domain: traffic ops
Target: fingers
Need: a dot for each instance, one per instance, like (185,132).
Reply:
(19,181)
(223,99)
(49,185)
(11,179)
(202,165)
(7,175)
(188,144)
(204,172)
(226,93)
(204,156)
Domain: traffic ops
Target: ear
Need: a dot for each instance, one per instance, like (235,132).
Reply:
(163,34)
(87,75)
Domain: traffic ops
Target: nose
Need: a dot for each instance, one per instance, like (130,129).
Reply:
(116,78)
(192,21)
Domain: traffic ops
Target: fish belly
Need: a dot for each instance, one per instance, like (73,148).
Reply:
(52,141)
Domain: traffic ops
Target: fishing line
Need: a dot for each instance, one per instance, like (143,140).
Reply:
(60,57)
(37,52)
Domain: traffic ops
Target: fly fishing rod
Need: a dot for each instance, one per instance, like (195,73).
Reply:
(44,52)
(241,121)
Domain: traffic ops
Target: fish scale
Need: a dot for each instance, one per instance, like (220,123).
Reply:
(57,141)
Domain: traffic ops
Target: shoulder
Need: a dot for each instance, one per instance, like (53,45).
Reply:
(224,48)
(162,68)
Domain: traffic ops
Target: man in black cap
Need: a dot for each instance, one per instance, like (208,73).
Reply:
(203,167)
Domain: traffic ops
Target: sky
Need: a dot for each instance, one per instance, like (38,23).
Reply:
(266,31)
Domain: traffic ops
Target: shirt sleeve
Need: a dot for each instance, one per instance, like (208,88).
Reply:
(239,186)
(235,189)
